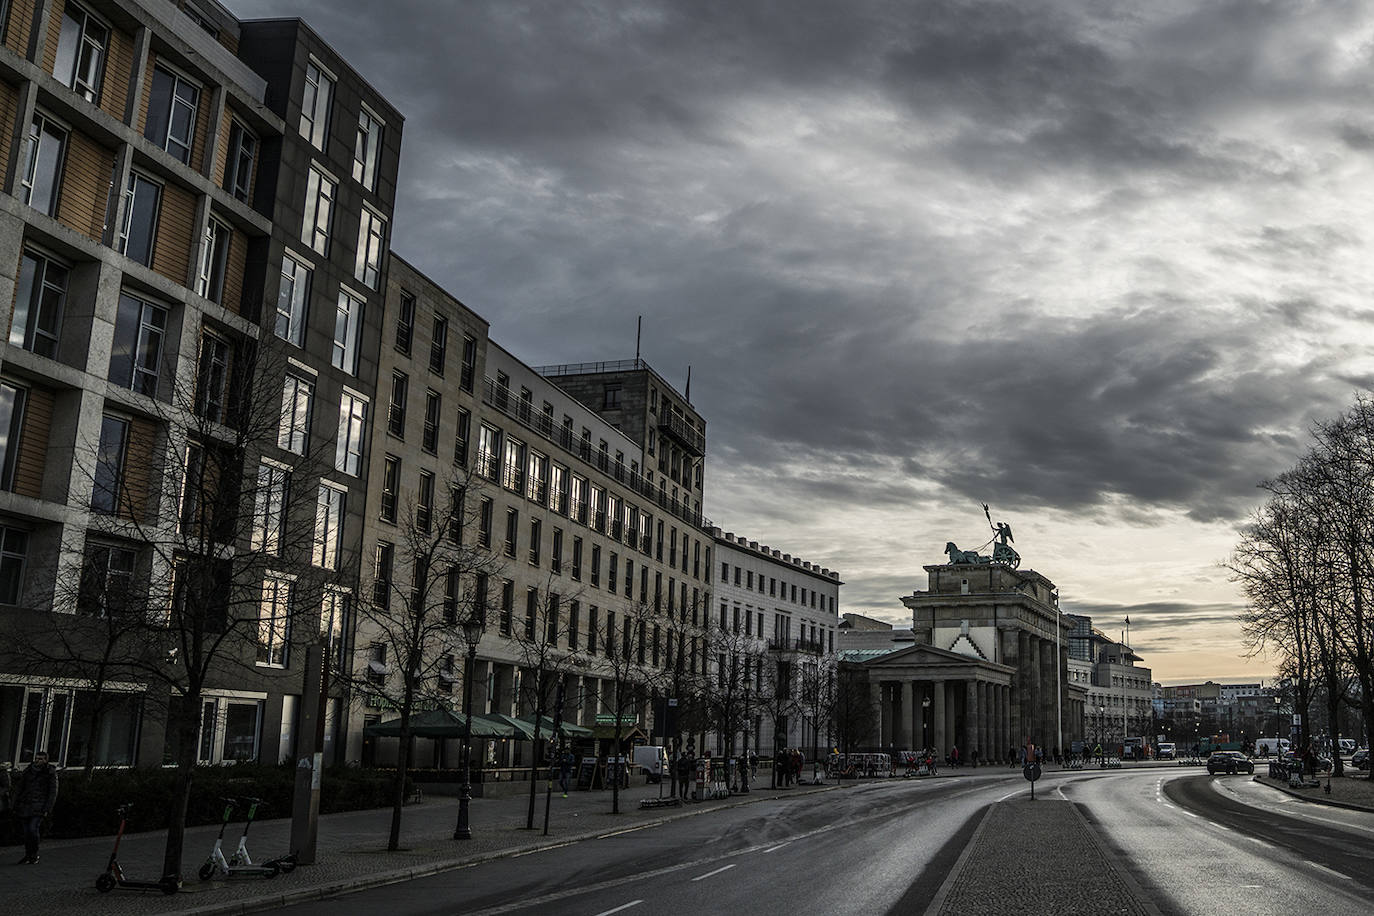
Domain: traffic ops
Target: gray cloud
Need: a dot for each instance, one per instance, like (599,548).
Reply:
(1096,258)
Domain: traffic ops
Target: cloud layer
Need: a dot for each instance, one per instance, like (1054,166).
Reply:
(1096,264)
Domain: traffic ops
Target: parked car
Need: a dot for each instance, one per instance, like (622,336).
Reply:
(1229,762)
(1164,750)
(1361,759)
(1347,745)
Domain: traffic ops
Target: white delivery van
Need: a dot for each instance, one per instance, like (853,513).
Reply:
(653,760)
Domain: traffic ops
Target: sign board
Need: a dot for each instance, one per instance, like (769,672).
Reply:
(1297,719)
(586,772)
(1031,771)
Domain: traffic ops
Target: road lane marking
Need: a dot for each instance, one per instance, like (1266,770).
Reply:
(1190,814)
(605,836)
(623,906)
(1255,839)
(779,846)
(1329,871)
(710,873)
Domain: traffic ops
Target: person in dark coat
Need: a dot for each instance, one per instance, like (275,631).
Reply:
(34,795)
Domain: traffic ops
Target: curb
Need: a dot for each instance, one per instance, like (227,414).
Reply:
(937,902)
(1319,800)
(396,876)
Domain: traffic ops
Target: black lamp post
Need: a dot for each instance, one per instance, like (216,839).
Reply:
(925,722)
(472,632)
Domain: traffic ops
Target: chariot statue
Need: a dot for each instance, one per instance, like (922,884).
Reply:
(1002,551)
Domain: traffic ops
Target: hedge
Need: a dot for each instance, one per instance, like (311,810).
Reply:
(86,806)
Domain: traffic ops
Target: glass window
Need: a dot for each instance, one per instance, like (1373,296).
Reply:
(294,433)
(348,322)
(430,440)
(424,503)
(274,619)
(11,427)
(348,453)
(513,465)
(107,581)
(405,323)
(460,439)
(38,304)
(14,548)
(243,153)
(141,199)
(320,193)
(488,441)
(438,345)
(81,52)
(315,103)
(366,148)
(136,354)
(172,107)
(43,171)
(269,507)
(371,242)
(396,413)
(334,623)
(214,261)
(109,464)
(328,527)
(291,301)
(469,363)
(212,377)
(391,487)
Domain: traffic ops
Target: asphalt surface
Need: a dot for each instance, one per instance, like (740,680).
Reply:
(1154,839)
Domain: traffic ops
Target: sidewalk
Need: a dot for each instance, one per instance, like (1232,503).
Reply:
(350,853)
(1353,790)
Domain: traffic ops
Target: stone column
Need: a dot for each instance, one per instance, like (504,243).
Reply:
(1008,737)
(970,720)
(937,736)
(986,750)
(919,738)
(875,689)
(904,730)
(1024,683)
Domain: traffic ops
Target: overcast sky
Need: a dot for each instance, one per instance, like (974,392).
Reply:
(1096,263)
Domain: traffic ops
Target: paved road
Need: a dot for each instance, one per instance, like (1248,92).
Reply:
(860,850)
(1199,844)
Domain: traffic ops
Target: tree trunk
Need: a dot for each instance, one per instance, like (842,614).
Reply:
(187,726)
(398,789)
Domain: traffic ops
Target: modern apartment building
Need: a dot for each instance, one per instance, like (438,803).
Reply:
(235,426)
(178,451)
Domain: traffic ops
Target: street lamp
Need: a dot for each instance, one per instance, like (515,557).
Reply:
(472,632)
(925,721)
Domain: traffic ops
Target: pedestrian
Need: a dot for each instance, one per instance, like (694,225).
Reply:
(685,766)
(753,764)
(34,795)
(954,756)
(565,768)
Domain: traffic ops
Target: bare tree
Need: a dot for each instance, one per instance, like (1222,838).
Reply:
(422,587)
(210,545)
(815,700)
(731,690)
(853,713)
(546,660)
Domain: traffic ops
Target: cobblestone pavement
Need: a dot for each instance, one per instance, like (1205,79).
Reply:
(351,852)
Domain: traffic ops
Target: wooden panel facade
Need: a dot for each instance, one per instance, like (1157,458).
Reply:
(138,499)
(86,181)
(202,129)
(175,234)
(20,24)
(48,58)
(142,120)
(33,443)
(233,272)
(9,109)
(222,151)
(119,67)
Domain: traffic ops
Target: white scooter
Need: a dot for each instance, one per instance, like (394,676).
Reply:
(240,863)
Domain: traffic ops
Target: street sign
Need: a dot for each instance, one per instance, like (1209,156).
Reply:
(1031,771)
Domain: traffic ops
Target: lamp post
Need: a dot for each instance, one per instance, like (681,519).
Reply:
(472,632)
(925,721)
(1101,720)
(1278,748)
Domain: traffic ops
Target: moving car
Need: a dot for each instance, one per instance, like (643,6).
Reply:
(1164,750)
(1229,762)
(1361,759)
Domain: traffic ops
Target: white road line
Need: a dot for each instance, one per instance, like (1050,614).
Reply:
(623,906)
(1190,814)
(716,872)
(1255,839)
(626,830)
(779,846)
(1329,871)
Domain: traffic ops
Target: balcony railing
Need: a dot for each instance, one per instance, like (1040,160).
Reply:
(498,397)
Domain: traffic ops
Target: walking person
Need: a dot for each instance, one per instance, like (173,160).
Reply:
(34,795)
(565,768)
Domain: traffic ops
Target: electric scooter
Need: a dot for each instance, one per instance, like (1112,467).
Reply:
(218,864)
(286,863)
(113,875)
